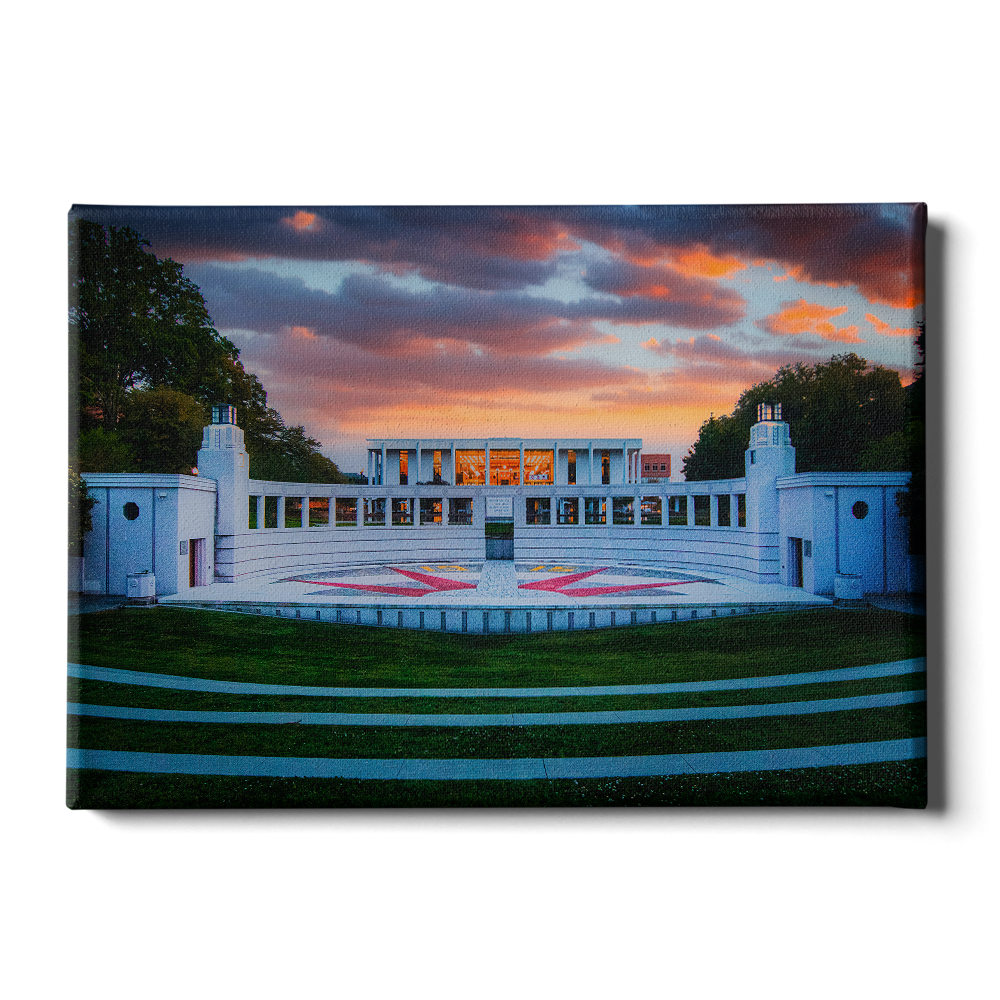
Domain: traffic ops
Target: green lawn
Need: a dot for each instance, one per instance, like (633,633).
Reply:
(902,784)
(431,742)
(195,643)
(222,646)
(90,692)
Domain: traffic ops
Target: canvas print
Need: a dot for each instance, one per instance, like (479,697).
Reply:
(496,506)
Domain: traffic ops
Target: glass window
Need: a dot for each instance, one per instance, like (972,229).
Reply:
(623,510)
(595,510)
(539,467)
(741,509)
(652,510)
(505,467)
(460,510)
(404,468)
(347,511)
(252,513)
(470,467)
(538,510)
(430,510)
(437,467)
(605,467)
(568,510)
(571,467)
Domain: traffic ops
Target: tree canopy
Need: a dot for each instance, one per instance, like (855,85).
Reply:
(844,414)
(147,362)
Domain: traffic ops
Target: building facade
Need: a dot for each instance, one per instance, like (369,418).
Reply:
(472,499)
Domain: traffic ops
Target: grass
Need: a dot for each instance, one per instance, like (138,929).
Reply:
(501,742)
(196,643)
(89,692)
(901,784)
(219,646)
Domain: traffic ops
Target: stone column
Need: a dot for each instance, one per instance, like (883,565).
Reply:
(690,509)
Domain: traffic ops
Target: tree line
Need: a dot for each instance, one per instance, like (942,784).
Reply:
(147,364)
(846,416)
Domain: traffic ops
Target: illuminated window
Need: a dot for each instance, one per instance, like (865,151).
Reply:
(460,510)
(595,510)
(404,468)
(605,467)
(402,512)
(470,468)
(430,510)
(437,466)
(538,467)
(538,510)
(571,467)
(568,510)
(505,467)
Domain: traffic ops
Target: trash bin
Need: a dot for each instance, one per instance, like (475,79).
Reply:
(141,588)
(848,587)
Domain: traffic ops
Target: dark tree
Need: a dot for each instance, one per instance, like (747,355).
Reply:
(81,503)
(838,410)
(139,327)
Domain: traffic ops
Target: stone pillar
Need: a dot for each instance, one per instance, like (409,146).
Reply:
(281,511)
(381,468)
(520,475)
(690,509)
(713,507)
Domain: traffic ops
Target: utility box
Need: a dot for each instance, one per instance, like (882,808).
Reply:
(141,588)
(848,587)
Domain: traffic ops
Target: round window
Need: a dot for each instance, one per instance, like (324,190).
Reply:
(131,511)
(860,510)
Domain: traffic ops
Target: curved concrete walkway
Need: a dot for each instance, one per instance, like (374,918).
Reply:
(507,719)
(519,769)
(84,672)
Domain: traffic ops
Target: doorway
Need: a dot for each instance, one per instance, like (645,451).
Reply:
(500,538)
(196,562)
(795,562)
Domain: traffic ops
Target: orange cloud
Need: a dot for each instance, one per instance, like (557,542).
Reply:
(303,332)
(650,344)
(700,263)
(810,317)
(301,220)
(889,331)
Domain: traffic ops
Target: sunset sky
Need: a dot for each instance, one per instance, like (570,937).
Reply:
(539,322)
